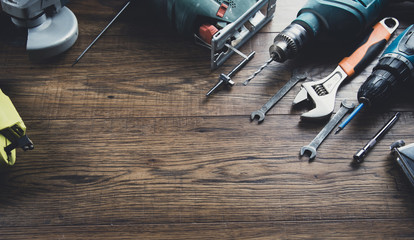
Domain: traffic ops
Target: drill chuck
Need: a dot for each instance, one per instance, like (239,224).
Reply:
(394,68)
(390,71)
(335,20)
(289,42)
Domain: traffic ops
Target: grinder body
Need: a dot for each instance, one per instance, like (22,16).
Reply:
(51,27)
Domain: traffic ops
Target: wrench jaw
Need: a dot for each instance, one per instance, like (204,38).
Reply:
(308,149)
(301,97)
(322,93)
(323,109)
(257,115)
(324,106)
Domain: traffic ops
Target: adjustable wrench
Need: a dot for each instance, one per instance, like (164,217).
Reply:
(276,98)
(317,141)
(323,92)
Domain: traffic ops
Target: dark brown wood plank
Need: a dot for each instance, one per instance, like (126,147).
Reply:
(381,229)
(185,170)
(127,145)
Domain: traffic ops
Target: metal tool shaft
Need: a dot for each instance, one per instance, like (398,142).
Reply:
(349,118)
(258,71)
(317,141)
(360,155)
(241,64)
(100,34)
(277,97)
(227,78)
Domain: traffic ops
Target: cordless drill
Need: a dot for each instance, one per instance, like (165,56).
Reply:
(395,67)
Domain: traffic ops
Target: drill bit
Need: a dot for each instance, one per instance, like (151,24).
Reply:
(100,34)
(258,71)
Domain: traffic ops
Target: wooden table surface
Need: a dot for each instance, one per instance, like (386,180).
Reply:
(127,146)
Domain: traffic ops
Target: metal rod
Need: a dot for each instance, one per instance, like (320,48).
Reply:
(227,78)
(241,64)
(258,71)
(100,34)
(360,155)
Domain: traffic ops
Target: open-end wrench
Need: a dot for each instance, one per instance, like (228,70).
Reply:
(323,92)
(316,142)
(282,92)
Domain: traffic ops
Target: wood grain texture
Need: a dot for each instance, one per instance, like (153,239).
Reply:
(128,147)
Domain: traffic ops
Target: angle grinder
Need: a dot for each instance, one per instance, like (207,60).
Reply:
(51,27)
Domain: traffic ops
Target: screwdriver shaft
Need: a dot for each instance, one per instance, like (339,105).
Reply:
(360,155)
(349,118)
(100,34)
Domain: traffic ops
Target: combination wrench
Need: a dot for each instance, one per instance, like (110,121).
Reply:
(261,113)
(317,141)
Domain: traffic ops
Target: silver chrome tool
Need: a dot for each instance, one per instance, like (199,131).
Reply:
(360,155)
(101,33)
(261,113)
(240,31)
(226,79)
(323,92)
(317,141)
(52,28)
(258,71)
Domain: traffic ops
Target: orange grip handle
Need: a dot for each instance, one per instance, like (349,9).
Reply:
(369,48)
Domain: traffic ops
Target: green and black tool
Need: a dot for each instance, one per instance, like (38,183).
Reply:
(220,25)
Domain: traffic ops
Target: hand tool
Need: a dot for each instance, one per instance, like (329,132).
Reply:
(102,32)
(226,79)
(317,141)
(395,67)
(12,131)
(360,155)
(323,92)
(405,158)
(324,20)
(215,23)
(52,28)
(261,113)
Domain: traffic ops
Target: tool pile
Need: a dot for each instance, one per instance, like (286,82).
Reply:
(224,26)
(395,67)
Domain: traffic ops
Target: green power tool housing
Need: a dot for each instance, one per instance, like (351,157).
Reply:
(333,20)
(220,25)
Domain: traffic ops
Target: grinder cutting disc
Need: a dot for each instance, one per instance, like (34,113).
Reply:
(54,36)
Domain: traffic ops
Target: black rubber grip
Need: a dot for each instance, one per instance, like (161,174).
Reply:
(372,52)
(386,76)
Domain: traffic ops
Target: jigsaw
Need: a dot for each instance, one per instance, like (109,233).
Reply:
(51,27)
(220,25)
